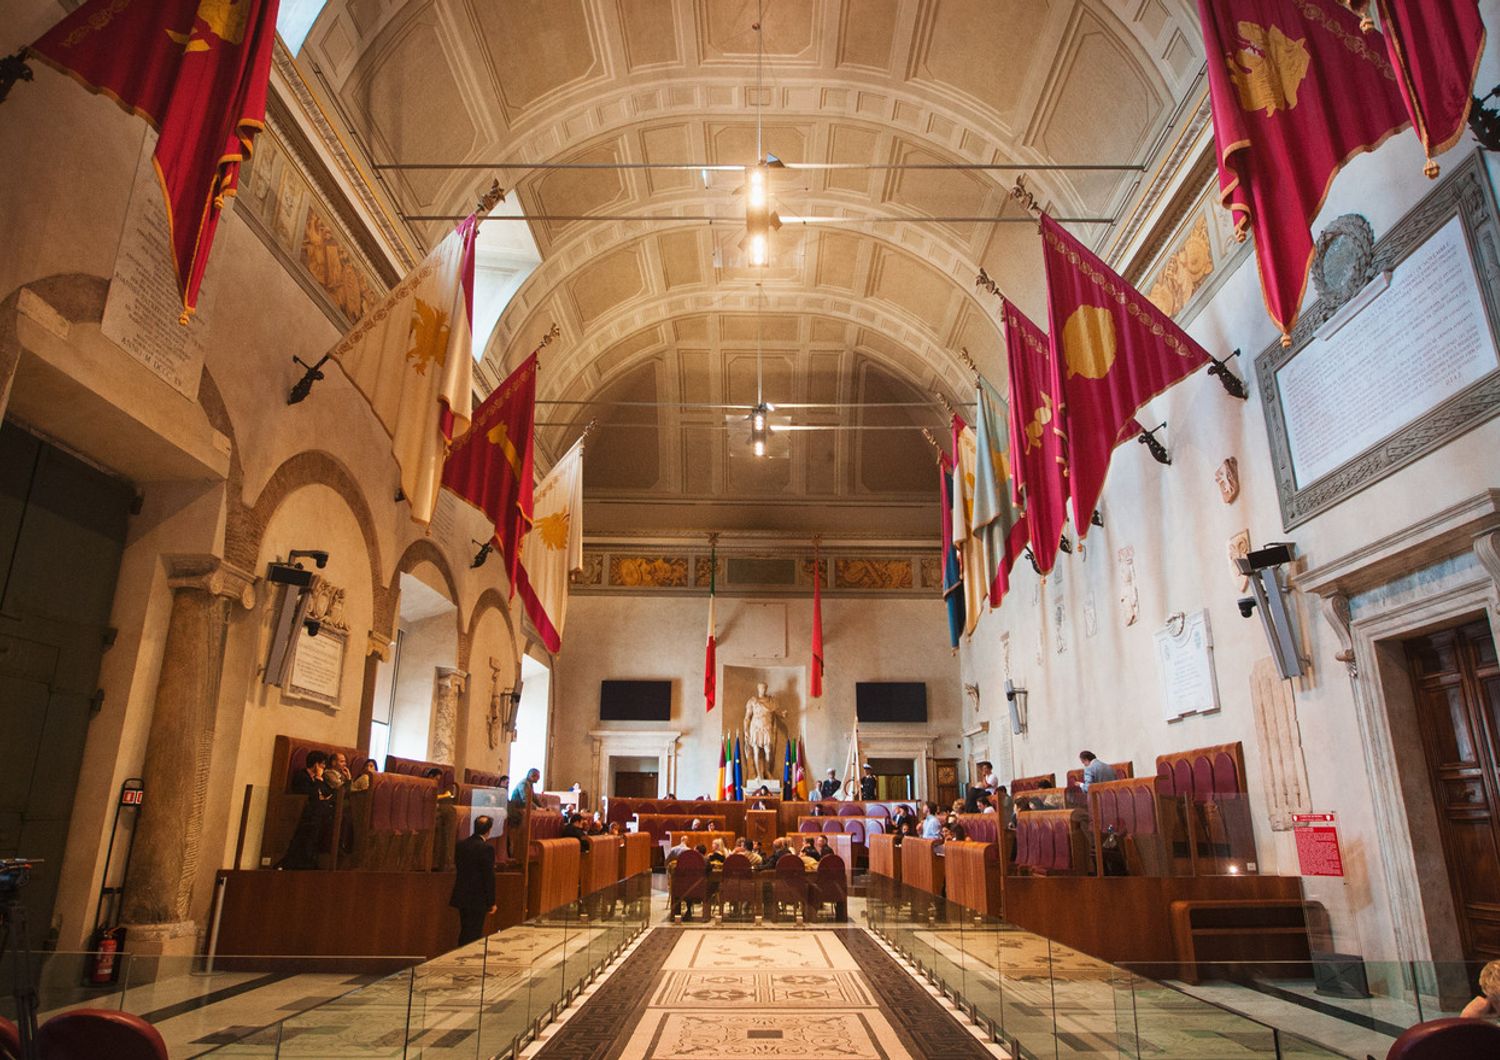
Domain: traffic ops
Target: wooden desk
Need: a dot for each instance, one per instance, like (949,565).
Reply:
(972,876)
(921,867)
(885,856)
(693,839)
(760,825)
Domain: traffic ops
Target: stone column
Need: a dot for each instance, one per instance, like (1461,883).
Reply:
(450,684)
(179,751)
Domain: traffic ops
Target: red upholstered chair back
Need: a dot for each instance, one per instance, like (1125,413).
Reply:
(297,757)
(546,825)
(875,826)
(856,830)
(482,778)
(10,1040)
(833,825)
(851,809)
(878,809)
(1128,805)
(415,767)
(1020,784)
(738,882)
(981,827)
(619,810)
(382,806)
(689,876)
(1202,772)
(832,879)
(1448,1039)
(87,1032)
(808,826)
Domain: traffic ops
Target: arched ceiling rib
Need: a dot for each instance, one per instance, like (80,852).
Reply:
(863,81)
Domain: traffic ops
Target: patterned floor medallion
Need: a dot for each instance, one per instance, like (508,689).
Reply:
(747,1036)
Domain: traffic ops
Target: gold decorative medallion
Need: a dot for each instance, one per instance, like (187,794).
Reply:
(429,336)
(1089,342)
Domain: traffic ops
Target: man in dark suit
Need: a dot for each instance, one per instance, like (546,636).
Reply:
(315,825)
(474,882)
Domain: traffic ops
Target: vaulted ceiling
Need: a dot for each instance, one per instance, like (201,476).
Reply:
(662,314)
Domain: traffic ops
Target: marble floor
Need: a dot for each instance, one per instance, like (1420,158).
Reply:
(739,993)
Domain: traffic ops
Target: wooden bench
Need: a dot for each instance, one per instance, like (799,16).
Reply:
(1129,810)
(1242,939)
(840,843)
(552,879)
(1021,785)
(1052,842)
(284,809)
(600,866)
(972,875)
(659,825)
(1212,826)
(921,866)
(885,856)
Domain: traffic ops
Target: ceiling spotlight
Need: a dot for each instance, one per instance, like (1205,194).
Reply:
(760,429)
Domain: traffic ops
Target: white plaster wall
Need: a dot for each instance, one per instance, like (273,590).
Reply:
(491,638)
(425,645)
(641,637)
(1103,692)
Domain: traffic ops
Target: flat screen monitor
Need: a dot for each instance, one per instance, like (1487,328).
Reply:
(635,700)
(899,701)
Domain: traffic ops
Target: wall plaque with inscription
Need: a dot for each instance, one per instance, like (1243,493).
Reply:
(1185,657)
(1405,366)
(316,671)
(143,305)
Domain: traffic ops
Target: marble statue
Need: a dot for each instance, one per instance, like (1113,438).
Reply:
(762,720)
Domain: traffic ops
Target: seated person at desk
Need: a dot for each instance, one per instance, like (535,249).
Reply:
(596,825)
(717,855)
(932,824)
(810,848)
(574,830)
(362,782)
(778,848)
(828,788)
(820,845)
(809,855)
(955,828)
(337,774)
(677,909)
(617,828)
(904,815)
(1487,1004)
(434,773)
(1095,769)
(317,814)
(742,846)
(903,830)
(677,848)
(696,826)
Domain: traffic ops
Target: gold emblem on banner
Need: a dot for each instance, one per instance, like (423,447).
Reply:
(429,336)
(553,531)
(1037,426)
(225,19)
(499,435)
(1268,69)
(1089,342)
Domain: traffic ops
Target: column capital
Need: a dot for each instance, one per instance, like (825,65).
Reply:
(450,677)
(212,575)
(379,645)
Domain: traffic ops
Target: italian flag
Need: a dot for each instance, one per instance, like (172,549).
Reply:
(710,675)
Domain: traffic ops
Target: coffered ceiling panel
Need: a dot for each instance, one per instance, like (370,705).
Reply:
(870,302)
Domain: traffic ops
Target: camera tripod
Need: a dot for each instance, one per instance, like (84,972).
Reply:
(13,937)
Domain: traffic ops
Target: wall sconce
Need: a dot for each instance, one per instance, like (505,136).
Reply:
(510,701)
(1015,698)
(483,553)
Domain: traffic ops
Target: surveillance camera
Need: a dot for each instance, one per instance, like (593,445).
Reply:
(317,555)
(1247,606)
(312,626)
(286,574)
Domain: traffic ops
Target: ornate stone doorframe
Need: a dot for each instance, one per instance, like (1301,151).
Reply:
(901,746)
(660,744)
(1431,574)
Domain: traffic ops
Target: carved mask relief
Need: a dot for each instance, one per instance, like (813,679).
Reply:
(1239,548)
(1227,475)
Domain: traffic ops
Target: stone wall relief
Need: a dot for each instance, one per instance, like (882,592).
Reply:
(1239,548)
(1283,764)
(448,687)
(1227,476)
(1129,599)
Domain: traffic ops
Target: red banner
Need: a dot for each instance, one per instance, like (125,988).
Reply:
(816,678)
(491,466)
(1297,90)
(197,71)
(1435,47)
(1112,351)
(1038,457)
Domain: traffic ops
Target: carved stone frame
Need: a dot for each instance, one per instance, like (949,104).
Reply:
(1369,640)
(1465,193)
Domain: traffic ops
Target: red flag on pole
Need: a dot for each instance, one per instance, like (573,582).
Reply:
(1297,90)
(710,670)
(491,466)
(1434,46)
(1038,456)
(817,627)
(1112,351)
(196,70)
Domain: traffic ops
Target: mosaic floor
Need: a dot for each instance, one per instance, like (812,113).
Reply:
(738,994)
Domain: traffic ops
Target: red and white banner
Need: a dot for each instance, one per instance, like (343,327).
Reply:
(553,547)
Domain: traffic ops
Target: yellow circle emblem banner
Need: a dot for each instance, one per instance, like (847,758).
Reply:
(1089,342)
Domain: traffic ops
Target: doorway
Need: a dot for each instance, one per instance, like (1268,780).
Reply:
(894,779)
(62,532)
(1456,684)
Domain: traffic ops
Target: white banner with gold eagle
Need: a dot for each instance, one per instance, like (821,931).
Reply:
(553,547)
(411,358)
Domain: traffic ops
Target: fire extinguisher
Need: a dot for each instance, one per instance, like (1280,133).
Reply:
(104,965)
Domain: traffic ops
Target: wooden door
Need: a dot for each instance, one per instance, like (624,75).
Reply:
(1456,679)
(635,785)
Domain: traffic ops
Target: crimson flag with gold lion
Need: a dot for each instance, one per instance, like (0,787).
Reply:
(1111,352)
(1036,437)
(491,466)
(553,548)
(197,71)
(1297,90)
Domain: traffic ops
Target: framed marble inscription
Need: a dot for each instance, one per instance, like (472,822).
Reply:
(1401,368)
(316,670)
(1185,658)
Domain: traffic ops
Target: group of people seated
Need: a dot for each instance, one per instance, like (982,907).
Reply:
(323,773)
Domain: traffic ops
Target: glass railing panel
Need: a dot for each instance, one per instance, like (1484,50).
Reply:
(1026,1000)
(1085,1004)
(376,1019)
(65,980)
(504,1003)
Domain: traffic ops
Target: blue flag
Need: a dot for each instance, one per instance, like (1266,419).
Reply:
(953,583)
(739,771)
(786,770)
